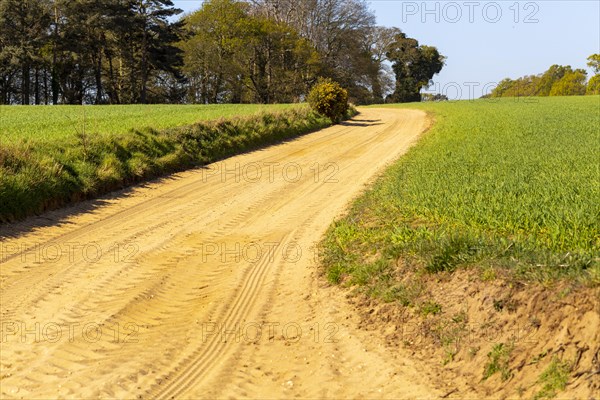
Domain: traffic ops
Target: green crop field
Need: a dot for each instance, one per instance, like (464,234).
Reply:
(504,185)
(51,122)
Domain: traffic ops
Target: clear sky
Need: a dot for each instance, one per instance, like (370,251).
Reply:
(486,41)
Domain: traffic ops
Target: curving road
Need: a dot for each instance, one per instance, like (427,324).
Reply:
(203,284)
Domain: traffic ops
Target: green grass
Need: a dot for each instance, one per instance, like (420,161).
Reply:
(499,359)
(505,185)
(554,379)
(430,307)
(58,168)
(63,122)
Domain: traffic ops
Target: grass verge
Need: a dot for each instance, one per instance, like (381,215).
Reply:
(37,176)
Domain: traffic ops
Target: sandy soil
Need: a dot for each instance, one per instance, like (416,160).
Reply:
(538,325)
(204,284)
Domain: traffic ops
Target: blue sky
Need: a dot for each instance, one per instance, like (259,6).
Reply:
(486,41)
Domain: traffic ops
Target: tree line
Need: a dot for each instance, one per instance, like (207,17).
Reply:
(558,80)
(234,51)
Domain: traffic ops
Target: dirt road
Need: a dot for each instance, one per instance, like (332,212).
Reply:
(204,284)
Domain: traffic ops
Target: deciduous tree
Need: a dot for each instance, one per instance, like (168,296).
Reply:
(414,65)
(571,84)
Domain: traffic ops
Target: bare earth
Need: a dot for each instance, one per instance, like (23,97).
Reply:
(204,284)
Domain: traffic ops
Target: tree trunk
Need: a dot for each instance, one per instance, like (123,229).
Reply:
(25,84)
(54,79)
(37,86)
(55,84)
(120,80)
(98,75)
(376,87)
(113,93)
(144,66)
(269,69)
(217,88)
(133,87)
(79,86)
(5,89)
(45,86)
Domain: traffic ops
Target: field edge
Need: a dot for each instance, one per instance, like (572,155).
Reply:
(39,177)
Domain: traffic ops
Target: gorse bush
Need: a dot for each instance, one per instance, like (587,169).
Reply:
(328,98)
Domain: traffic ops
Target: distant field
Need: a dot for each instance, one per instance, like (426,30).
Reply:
(508,183)
(51,122)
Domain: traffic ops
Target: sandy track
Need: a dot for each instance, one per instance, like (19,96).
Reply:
(204,284)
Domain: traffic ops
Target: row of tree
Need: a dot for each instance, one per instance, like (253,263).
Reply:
(92,51)
(267,51)
(558,80)
(274,51)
